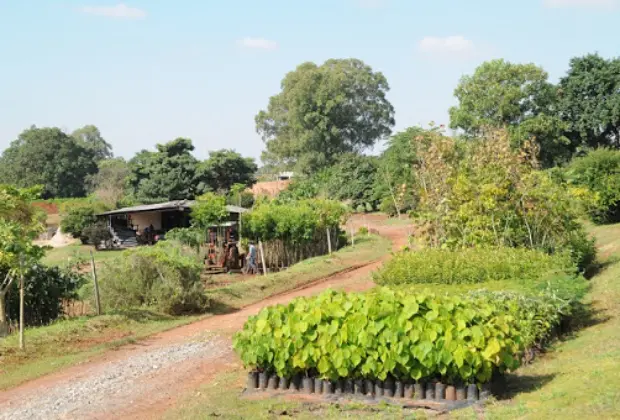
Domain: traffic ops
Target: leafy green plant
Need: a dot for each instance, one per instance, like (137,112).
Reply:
(388,332)
(469,266)
(78,216)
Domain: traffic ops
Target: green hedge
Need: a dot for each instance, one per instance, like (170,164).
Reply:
(469,266)
(387,332)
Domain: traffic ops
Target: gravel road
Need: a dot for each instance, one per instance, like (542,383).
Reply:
(115,381)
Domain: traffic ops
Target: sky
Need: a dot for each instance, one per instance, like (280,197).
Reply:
(149,71)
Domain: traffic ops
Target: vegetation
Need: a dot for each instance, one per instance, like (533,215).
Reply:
(78,220)
(325,111)
(109,183)
(470,266)
(225,168)
(386,332)
(165,277)
(294,231)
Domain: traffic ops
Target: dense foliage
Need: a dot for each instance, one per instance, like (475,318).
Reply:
(484,193)
(225,168)
(108,185)
(165,277)
(51,158)
(325,111)
(387,332)
(45,289)
(294,230)
(599,172)
(79,216)
(469,266)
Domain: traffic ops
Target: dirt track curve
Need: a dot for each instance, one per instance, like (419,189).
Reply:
(143,380)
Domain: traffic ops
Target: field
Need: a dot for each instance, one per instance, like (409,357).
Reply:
(576,378)
(77,252)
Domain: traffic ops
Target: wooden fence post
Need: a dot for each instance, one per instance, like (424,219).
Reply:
(21,305)
(96,283)
(262,257)
(329,241)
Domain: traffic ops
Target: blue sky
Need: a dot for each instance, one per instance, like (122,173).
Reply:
(146,72)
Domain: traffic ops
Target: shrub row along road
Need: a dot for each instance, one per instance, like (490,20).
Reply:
(144,379)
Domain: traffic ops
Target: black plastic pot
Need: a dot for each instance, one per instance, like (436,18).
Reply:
(461,392)
(339,387)
(472,392)
(440,391)
(358,387)
(273,381)
(485,392)
(328,387)
(430,391)
(295,383)
(252,380)
(388,387)
(308,385)
(348,386)
(408,391)
(378,388)
(418,391)
(318,385)
(399,389)
(262,380)
(370,387)
(284,384)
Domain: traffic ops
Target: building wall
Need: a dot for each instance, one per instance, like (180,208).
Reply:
(145,219)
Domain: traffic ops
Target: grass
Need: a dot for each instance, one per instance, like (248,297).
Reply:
(68,342)
(76,253)
(578,378)
(243,293)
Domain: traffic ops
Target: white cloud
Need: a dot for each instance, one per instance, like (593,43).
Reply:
(592,4)
(258,43)
(456,44)
(120,11)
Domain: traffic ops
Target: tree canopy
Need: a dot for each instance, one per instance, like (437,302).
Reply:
(516,97)
(109,183)
(89,137)
(225,168)
(48,157)
(324,111)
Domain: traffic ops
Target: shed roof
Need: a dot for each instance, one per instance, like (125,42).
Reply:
(179,205)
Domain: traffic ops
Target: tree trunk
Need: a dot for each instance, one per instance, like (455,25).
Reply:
(4,326)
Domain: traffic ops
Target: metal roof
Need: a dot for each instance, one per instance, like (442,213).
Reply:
(179,205)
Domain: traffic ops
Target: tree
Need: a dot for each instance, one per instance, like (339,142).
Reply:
(209,210)
(590,102)
(352,179)
(77,218)
(170,173)
(20,223)
(325,111)
(225,168)
(109,183)
(48,157)
(89,137)
(515,97)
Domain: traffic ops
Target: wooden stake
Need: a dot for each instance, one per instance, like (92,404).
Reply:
(329,242)
(96,283)
(21,305)
(262,257)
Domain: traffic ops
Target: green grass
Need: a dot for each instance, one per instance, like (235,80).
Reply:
(68,342)
(243,293)
(77,252)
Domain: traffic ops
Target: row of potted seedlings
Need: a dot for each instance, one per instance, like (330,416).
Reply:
(391,388)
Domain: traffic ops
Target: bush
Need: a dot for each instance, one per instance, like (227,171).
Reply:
(386,332)
(599,171)
(77,216)
(44,290)
(165,277)
(469,266)
(97,233)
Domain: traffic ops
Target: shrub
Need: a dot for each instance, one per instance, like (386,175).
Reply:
(482,193)
(44,290)
(469,266)
(165,276)
(77,216)
(191,237)
(97,233)
(387,332)
(599,171)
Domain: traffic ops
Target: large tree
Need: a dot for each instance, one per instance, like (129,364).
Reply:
(325,111)
(590,101)
(48,157)
(225,168)
(516,97)
(89,136)
(109,183)
(170,173)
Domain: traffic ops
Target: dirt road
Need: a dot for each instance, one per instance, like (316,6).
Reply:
(144,379)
